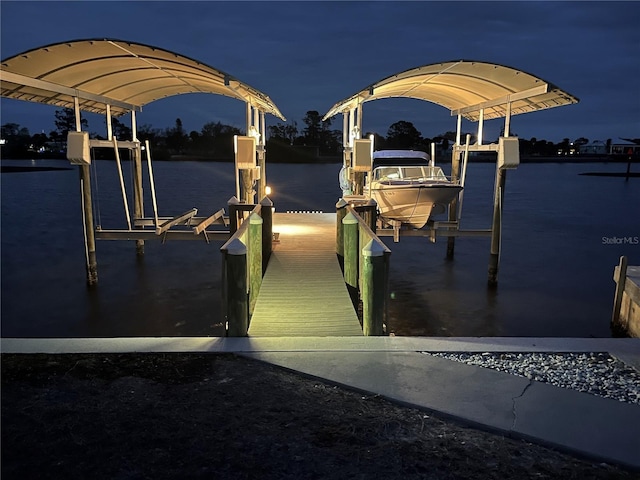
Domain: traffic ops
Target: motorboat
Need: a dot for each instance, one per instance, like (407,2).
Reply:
(408,188)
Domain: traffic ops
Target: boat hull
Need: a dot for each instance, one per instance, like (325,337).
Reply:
(413,204)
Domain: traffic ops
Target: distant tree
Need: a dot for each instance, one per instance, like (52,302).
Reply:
(313,129)
(176,137)
(216,140)
(581,141)
(564,147)
(17,140)
(284,133)
(379,142)
(39,141)
(147,132)
(120,130)
(403,135)
(66,122)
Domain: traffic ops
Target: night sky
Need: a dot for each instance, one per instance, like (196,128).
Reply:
(310,55)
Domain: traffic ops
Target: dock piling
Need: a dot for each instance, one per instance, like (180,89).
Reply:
(341,212)
(254,251)
(351,240)
(373,289)
(237,302)
(266,211)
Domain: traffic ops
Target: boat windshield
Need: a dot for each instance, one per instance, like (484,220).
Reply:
(414,173)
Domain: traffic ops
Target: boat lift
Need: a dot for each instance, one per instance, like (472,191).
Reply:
(474,90)
(117,77)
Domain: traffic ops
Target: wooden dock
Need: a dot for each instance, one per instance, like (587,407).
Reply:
(303,293)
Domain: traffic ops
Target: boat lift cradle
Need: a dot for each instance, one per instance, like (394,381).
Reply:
(477,91)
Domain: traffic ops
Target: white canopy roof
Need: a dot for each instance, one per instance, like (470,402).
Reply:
(465,87)
(122,74)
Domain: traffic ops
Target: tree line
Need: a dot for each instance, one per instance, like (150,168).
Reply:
(316,139)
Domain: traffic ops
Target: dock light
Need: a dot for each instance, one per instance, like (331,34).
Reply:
(267,190)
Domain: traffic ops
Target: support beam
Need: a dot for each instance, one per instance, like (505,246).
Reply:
(87,211)
(138,195)
(496,228)
(202,226)
(453,206)
(121,177)
(109,123)
(87,218)
(180,219)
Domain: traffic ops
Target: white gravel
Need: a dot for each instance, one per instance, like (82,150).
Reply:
(594,373)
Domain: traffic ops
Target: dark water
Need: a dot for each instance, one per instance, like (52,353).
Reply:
(555,274)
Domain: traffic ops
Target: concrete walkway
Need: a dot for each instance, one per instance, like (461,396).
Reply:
(397,368)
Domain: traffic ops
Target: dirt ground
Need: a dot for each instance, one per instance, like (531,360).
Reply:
(157,416)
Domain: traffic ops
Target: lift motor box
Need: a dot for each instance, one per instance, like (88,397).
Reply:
(245,150)
(508,152)
(78,152)
(362,155)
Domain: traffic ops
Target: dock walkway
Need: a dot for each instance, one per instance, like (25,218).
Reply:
(303,293)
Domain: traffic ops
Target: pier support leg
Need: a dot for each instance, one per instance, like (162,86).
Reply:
(496,227)
(368,211)
(232,205)
(358,183)
(373,289)
(453,207)
(248,194)
(89,233)
(138,206)
(237,298)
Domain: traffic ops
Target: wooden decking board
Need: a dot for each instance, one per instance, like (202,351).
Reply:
(303,292)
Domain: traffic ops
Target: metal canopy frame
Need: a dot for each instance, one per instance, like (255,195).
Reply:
(466,88)
(122,74)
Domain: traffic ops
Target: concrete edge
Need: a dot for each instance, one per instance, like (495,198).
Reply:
(628,348)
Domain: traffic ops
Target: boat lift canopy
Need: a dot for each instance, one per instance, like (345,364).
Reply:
(121,74)
(468,88)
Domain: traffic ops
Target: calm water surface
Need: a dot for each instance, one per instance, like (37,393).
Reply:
(555,274)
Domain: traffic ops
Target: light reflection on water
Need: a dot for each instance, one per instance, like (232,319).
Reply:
(555,275)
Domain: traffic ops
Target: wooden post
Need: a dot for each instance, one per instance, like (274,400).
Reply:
(246,179)
(232,204)
(496,227)
(358,183)
(453,207)
(368,211)
(255,259)
(373,289)
(237,301)
(341,211)
(138,205)
(89,233)
(351,254)
(267,231)
(621,280)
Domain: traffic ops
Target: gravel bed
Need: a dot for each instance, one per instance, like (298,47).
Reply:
(595,373)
